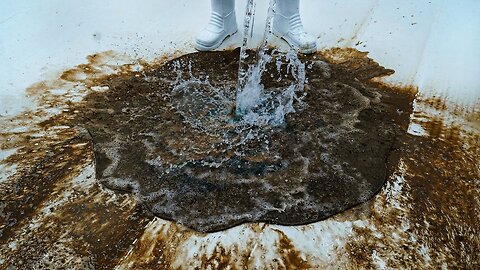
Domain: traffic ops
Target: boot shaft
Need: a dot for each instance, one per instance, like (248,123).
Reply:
(223,8)
(288,8)
(287,17)
(223,16)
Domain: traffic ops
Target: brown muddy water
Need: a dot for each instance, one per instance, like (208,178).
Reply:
(104,131)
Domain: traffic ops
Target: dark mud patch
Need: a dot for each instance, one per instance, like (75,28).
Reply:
(168,136)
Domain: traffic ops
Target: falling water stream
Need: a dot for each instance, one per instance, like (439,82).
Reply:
(247,36)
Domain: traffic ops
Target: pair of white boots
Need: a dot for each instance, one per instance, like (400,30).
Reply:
(286,25)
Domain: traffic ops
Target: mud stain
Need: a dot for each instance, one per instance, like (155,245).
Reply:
(55,215)
(430,212)
(51,219)
(291,257)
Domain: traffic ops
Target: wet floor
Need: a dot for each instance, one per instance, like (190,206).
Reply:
(57,213)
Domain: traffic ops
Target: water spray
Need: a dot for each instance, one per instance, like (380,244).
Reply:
(248,87)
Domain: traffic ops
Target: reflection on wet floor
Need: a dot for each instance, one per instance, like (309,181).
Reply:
(54,214)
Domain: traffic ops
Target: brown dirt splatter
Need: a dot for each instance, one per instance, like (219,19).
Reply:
(291,258)
(430,222)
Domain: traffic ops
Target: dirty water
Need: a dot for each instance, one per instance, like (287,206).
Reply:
(55,214)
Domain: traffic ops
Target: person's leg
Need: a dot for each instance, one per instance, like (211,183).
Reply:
(223,24)
(288,26)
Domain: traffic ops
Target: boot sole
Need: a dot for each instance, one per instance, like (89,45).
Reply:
(295,46)
(202,48)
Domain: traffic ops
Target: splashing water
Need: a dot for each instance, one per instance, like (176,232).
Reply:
(252,103)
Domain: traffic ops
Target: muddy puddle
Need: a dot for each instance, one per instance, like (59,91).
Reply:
(175,146)
(169,137)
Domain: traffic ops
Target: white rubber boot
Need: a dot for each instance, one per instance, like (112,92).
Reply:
(288,26)
(223,24)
